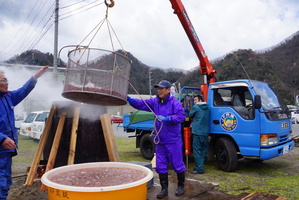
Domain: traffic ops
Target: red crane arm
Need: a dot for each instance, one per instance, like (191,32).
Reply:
(206,68)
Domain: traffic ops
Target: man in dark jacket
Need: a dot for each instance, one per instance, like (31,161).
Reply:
(8,133)
(200,133)
(170,114)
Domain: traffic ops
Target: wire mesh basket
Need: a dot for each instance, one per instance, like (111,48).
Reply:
(97,76)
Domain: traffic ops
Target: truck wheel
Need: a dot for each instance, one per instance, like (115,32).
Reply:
(147,146)
(226,155)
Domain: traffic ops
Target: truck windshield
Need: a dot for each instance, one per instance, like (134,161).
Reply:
(30,118)
(272,102)
(42,117)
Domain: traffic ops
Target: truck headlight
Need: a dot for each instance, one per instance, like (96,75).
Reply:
(39,128)
(268,139)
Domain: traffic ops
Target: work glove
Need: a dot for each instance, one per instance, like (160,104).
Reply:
(130,100)
(164,119)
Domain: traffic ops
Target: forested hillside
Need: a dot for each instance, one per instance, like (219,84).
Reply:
(34,57)
(278,65)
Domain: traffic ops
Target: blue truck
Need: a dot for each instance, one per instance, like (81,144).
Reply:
(249,119)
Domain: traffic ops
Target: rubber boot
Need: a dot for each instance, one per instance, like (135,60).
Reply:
(181,184)
(164,184)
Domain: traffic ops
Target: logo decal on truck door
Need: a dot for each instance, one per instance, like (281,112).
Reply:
(228,121)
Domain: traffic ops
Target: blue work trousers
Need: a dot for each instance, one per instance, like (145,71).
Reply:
(169,153)
(200,151)
(5,174)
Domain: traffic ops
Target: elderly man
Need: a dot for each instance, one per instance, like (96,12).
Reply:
(8,134)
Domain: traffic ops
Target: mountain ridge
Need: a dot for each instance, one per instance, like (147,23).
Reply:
(277,65)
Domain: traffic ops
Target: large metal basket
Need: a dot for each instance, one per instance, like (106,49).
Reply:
(97,76)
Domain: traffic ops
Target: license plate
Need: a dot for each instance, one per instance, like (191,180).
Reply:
(285,149)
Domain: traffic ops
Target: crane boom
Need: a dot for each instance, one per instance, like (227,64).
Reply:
(206,69)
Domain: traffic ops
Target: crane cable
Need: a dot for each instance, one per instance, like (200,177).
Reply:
(242,66)
(98,27)
(156,138)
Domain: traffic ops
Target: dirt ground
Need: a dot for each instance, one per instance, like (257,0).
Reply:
(194,189)
(20,191)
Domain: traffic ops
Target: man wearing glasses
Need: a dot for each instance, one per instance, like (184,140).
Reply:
(8,133)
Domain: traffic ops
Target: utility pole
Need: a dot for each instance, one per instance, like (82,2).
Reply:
(55,40)
(150,82)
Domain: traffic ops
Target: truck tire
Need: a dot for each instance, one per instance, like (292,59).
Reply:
(147,146)
(226,155)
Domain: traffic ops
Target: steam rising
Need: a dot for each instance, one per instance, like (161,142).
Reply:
(46,93)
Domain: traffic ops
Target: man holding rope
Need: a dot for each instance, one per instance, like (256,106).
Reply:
(167,134)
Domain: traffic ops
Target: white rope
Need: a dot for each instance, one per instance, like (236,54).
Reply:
(156,137)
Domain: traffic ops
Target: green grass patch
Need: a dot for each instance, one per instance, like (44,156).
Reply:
(127,150)
(278,176)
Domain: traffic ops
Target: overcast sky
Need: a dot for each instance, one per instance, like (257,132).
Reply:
(148,28)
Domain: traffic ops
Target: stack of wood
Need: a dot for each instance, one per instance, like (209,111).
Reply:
(296,140)
(259,196)
(68,139)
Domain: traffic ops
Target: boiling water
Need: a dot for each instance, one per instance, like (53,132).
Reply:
(98,177)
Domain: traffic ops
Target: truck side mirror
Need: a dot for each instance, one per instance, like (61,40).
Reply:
(257,102)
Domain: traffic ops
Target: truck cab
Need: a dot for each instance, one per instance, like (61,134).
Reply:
(248,119)
(26,125)
(38,125)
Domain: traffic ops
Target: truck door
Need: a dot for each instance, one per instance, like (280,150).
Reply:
(232,114)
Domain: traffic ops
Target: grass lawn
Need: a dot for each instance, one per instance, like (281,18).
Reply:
(279,176)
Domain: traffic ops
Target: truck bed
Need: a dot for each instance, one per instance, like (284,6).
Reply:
(138,120)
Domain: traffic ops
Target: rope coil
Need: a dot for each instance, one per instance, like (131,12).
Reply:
(156,138)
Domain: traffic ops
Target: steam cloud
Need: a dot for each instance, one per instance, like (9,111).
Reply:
(47,91)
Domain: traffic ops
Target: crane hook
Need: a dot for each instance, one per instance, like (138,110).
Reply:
(111,3)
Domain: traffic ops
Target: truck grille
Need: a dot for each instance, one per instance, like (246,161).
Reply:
(283,138)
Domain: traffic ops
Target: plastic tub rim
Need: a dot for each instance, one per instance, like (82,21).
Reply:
(58,186)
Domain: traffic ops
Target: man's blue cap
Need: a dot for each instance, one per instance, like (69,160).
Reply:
(163,84)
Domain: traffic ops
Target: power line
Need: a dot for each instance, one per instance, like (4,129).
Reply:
(19,30)
(20,43)
(62,7)
(25,37)
(39,21)
(79,10)
(38,32)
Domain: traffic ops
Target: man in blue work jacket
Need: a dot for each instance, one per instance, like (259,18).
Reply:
(170,114)
(8,133)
